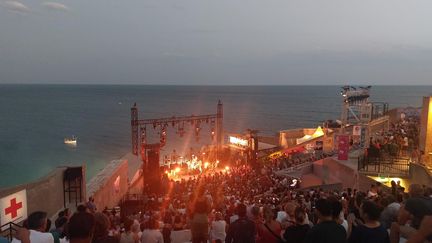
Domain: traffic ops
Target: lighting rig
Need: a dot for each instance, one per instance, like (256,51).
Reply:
(161,125)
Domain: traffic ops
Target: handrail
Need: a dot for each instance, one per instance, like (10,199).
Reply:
(399,165)
(10,229)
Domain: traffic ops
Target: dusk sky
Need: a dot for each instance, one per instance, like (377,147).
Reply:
(216,42)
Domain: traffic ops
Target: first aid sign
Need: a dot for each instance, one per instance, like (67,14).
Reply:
(13,208)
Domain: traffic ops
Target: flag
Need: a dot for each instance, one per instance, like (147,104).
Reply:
(343,148)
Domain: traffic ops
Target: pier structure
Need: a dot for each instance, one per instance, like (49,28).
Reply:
(361,115)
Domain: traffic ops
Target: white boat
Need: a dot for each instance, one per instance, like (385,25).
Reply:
(72,140)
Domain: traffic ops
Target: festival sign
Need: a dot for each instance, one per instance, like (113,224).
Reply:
(343,147)
(13,208)
(238,141)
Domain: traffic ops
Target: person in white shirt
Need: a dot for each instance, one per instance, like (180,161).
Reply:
(80,229)
(152,234)
(37,223)
(218,228)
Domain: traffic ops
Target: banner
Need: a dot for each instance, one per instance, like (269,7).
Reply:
(13,208)
(319,145)
(363,137)
(356,130)
(343,147)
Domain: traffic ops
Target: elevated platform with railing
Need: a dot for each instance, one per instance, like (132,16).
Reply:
(384,166)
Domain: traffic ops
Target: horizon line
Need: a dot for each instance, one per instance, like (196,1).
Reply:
(209,85)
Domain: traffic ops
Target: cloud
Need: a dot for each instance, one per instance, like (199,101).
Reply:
(55,6)
(16,6)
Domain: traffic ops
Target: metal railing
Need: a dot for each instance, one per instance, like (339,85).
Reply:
(398,166)
(7,230)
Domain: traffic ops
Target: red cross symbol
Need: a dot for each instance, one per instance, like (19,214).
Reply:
(13,209)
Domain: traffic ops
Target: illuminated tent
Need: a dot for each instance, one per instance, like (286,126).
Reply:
(318,133)
(299,148)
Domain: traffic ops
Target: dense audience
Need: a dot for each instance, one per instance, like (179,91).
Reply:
(243,205)
(291,160)
(401,140)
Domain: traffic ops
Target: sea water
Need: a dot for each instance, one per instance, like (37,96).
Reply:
(34,119)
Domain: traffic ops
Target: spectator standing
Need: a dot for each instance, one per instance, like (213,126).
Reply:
(199,222)
(243,229)
(297,232)
(371,231)
(152,234)
(102,224)
(218,228)
(80,228)
(127,236)
(91,206)
(270,231)
(37,224)
(327,230)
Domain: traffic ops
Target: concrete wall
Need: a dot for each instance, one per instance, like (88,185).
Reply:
(287,138)
(420,175)
(110,185)
(331,171)
(426,131)
(45,194)
(327,187)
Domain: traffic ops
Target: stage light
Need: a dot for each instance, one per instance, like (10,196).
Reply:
(213,133)
(227,168)
(197,131)
(177,170)
(163,136)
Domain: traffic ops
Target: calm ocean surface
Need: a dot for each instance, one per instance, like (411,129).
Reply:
(34,119)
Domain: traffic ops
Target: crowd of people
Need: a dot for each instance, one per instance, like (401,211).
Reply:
(243,205)
(401,139)
(291,160)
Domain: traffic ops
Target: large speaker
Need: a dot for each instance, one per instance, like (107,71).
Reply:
(153,160)
(152,175)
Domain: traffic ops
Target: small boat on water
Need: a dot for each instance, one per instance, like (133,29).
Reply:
(72,140)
